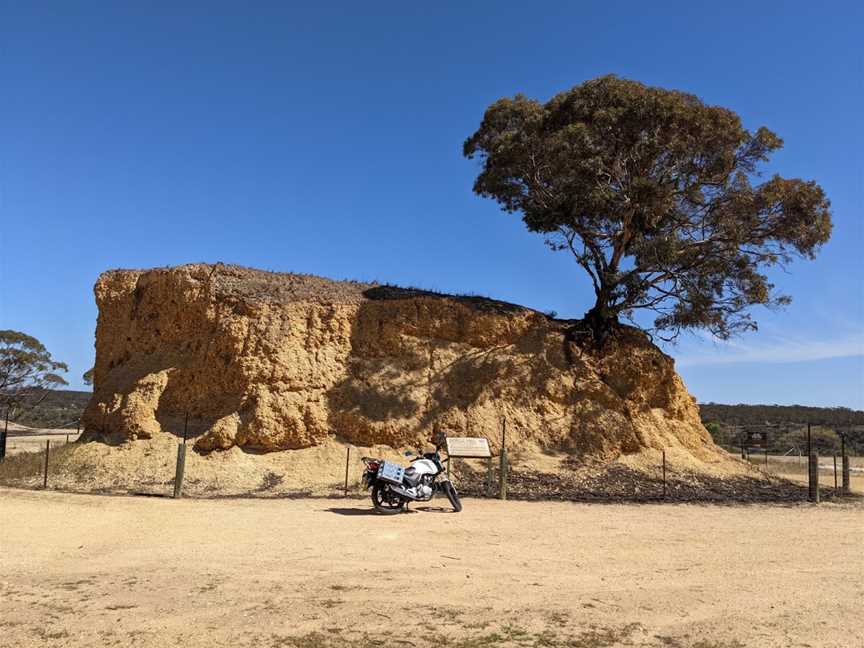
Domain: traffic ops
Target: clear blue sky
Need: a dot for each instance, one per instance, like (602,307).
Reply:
(328,140)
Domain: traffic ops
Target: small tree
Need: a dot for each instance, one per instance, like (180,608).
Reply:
(27,372)
(87,376)
(653,193)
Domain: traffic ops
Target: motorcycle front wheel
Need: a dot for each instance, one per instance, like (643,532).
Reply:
(452,495)
(386,501)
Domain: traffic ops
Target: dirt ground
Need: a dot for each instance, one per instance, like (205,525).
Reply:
(84,570)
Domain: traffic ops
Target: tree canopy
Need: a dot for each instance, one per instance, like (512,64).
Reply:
(656,195)
(27,372)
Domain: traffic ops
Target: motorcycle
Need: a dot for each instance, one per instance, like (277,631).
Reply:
(393,486)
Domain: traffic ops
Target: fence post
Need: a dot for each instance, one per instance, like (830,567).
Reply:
(347,458)
(181,467)
(3,436)
(502,478)
(47,453)
(845,468)
(813,477)
(664,474)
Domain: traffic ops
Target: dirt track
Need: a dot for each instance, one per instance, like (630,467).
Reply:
(88,571)
(24,439)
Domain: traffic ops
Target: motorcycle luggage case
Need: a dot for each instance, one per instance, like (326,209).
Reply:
(391,472)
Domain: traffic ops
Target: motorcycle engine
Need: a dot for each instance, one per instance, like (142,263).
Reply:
(425,491)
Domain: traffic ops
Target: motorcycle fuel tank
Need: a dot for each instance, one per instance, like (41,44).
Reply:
(424,467)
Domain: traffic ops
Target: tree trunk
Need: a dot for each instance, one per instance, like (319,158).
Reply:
(601,319)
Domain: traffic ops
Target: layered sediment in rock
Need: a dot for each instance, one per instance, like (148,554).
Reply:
(269,362)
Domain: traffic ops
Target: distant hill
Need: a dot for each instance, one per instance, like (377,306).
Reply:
(780,414)
(61,408)
(786,425)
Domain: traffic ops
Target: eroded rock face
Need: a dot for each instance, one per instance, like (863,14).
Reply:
(269,361)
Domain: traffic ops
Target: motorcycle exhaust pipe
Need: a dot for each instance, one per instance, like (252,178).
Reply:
(402,491)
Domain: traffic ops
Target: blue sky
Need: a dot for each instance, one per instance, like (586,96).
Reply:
(328,140)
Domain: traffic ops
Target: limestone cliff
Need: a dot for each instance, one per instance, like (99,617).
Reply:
(269,361)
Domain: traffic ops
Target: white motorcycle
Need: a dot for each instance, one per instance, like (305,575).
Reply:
(393,486)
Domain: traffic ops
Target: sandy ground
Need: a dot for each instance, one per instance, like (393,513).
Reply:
(82,570)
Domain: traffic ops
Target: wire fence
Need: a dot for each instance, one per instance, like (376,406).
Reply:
(171,467)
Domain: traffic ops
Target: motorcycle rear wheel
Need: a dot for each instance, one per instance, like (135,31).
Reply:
(453,496)
(385,501)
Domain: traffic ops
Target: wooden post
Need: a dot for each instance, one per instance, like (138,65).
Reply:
(185,428)
(813,478)
(67,438)
(502,478)
(47,454)
(845,475)
(664,474)
(845,467)
(3,436)
(347,459)
(181,467)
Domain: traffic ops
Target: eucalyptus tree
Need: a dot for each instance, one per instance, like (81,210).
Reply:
(657,196)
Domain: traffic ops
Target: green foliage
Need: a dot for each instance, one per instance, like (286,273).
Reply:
(27,371)
(653,193)
(87,376)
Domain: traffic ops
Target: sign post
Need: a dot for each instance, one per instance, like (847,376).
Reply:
(471,448)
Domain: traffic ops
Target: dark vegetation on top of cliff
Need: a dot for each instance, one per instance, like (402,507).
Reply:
(477,302)
(240,282)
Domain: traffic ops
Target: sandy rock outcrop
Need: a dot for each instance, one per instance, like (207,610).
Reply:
(268,361)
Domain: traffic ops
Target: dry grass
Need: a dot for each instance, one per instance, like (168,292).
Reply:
(28,468)
(239,282)
(795,469)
